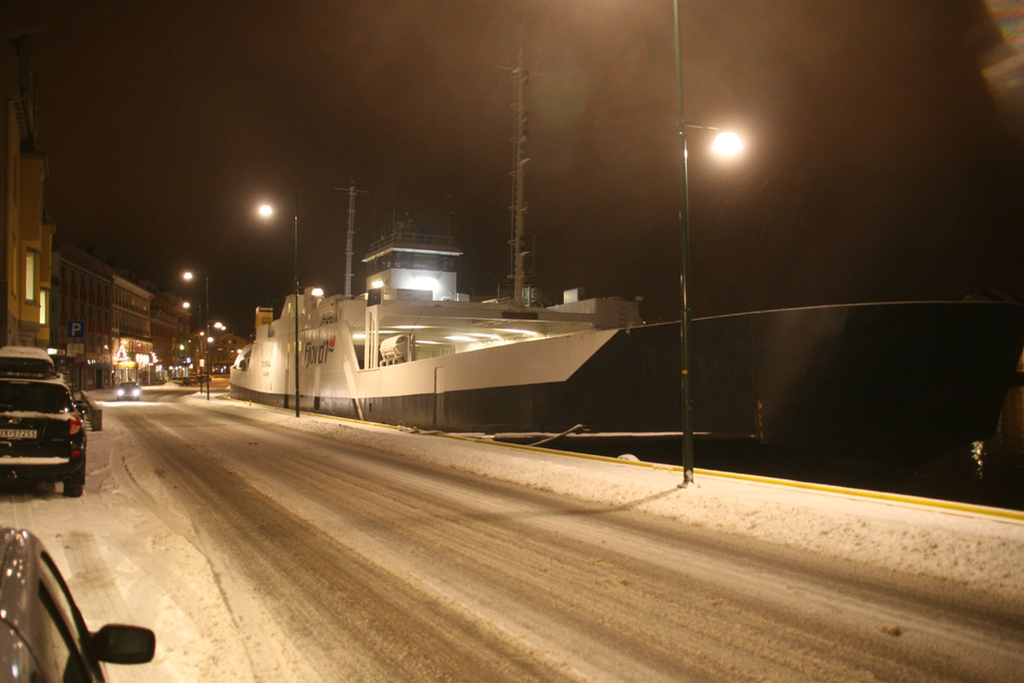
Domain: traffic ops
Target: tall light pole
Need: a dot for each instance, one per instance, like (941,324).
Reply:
(206,279)
(725,143)
(268,210)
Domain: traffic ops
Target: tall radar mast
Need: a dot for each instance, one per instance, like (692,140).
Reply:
(352,191)
(520,76)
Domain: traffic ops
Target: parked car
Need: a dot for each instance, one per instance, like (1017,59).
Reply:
(128,391)
(43,637)
(42,435)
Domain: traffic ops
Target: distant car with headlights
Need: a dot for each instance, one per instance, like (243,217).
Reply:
(43,637)
(42,436)
(128,391)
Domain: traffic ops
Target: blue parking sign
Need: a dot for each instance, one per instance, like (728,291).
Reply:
(76,329)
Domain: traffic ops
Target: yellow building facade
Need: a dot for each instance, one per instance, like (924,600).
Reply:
(28,232)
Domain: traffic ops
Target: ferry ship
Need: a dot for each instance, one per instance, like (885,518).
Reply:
(881,378)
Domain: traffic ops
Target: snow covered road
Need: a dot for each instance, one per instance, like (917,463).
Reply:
(265,548)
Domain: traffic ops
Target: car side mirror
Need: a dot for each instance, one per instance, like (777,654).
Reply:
(118,644)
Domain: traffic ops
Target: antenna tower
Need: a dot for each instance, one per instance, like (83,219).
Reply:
(352,191)
(520,76)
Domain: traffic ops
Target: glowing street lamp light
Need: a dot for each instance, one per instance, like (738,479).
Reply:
(725,143)
(267,210)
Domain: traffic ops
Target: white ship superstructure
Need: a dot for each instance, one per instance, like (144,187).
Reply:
(413,340)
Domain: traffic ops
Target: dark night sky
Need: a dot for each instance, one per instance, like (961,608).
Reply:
(878,164)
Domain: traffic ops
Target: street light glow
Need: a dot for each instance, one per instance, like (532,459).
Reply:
(187,275)
(266,210)
(727,144)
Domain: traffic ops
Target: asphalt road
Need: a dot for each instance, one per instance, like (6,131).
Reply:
(374,567)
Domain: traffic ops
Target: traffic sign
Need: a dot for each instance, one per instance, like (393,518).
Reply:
(76,329)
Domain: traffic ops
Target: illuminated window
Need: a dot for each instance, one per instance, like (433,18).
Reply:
(31,262)
(44,307)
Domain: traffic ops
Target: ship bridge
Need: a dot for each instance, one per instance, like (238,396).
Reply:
(412,264)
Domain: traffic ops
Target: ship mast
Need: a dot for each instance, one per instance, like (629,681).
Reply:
(521,120)
(351,232)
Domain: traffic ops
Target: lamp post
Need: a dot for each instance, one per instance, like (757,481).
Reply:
(182,331)
(268,210)
(725,143)
(206,279)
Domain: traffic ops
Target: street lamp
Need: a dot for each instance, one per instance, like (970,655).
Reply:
(725,143)
(182,330)
(189,275)
(266,210)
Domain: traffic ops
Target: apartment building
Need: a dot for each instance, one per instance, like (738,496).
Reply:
(83,316)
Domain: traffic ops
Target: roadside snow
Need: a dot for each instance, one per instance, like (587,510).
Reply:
(962,544)
(131,547)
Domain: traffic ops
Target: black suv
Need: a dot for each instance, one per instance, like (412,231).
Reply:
(41,433)
(43,637)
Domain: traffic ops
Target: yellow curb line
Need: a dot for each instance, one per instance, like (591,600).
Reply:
(944,505)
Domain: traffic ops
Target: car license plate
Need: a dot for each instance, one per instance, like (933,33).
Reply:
(17,433)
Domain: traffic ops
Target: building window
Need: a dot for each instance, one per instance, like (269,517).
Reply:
(44,307)
(31,263)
